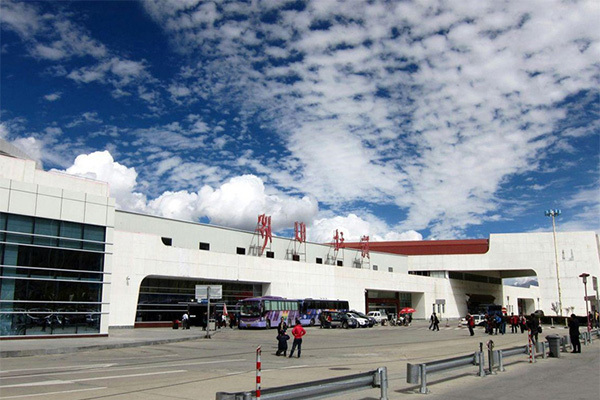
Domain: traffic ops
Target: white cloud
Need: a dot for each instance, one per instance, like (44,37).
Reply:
(239,201)
(101,166)
(53,96)
(354,227)
(236,203)
(430,106)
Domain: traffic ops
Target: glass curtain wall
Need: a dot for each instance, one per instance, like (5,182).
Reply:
(51,276)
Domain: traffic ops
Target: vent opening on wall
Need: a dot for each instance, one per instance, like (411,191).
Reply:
(296,257)
(240,251)
(204,246)
(340,263)
(319,260)
(375,267)
(270,254)
(167,241)
(390,269)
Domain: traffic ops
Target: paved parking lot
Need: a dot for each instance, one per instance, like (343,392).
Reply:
(198,368)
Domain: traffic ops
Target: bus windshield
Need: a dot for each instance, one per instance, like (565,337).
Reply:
(250,309)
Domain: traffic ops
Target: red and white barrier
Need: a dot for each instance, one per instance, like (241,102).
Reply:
(258,367)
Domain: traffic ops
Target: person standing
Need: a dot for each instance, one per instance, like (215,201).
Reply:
(574,333)
(297,332)
(470,324)
(185,321)
(282,327)
(436,323)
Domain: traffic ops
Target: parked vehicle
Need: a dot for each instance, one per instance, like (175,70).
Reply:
(379,317)
(371,321)
(362,322)
(334,319)
(479,320)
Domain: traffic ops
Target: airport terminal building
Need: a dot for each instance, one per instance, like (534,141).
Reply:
(71,264)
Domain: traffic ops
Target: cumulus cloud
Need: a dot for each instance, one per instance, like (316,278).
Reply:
(101,166)
(236,203)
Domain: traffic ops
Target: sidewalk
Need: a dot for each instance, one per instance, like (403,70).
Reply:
(117,338)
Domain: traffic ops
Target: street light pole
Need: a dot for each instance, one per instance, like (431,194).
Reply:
(587,312)
(553,214)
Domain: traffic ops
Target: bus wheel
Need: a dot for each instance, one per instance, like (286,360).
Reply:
(268,324)
(312,322)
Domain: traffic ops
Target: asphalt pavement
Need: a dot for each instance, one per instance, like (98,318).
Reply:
(327,353)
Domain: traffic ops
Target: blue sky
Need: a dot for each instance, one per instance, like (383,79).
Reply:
(395,119)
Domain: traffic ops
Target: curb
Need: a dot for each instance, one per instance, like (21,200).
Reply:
(82,348)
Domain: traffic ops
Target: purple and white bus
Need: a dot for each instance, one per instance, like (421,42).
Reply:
(266,311)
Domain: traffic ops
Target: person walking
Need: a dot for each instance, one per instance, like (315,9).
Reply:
(514,322)
(533,324)
(431,321)
(470,324)
(574,333)
(297,332)
(436,323)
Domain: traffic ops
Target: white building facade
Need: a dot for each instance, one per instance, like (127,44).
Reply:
(72,265)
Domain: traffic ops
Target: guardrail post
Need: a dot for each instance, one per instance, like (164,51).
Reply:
(423,389)
(481,362)
(500,361)
(490,346)
(545,347)
(383,382)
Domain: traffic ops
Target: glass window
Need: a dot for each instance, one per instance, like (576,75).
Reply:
(46,227)
(19,223)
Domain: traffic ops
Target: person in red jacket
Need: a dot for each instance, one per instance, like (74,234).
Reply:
(297,332)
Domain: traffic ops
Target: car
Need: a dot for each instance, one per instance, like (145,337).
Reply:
(371,320)
(333,319)
(362,322)
(379,317)
(479,320)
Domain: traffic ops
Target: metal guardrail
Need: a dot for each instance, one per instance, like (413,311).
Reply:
(419,371)
(318,389)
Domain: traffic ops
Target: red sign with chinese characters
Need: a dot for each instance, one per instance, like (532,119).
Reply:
(364,247)
(300,231)
(264,228)
(338,240)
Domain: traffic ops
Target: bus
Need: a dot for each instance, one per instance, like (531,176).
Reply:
(310,309)
(266,312)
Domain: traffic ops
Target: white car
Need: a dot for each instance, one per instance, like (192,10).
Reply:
(362,322)
(379,317)
(479,320)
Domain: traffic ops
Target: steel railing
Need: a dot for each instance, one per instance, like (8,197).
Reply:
(318,389)
(416,372)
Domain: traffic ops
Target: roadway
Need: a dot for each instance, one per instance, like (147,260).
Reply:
(198,368)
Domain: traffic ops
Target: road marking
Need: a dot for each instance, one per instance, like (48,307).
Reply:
(55,368)
(60,382)
(87,370)
(50,393)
